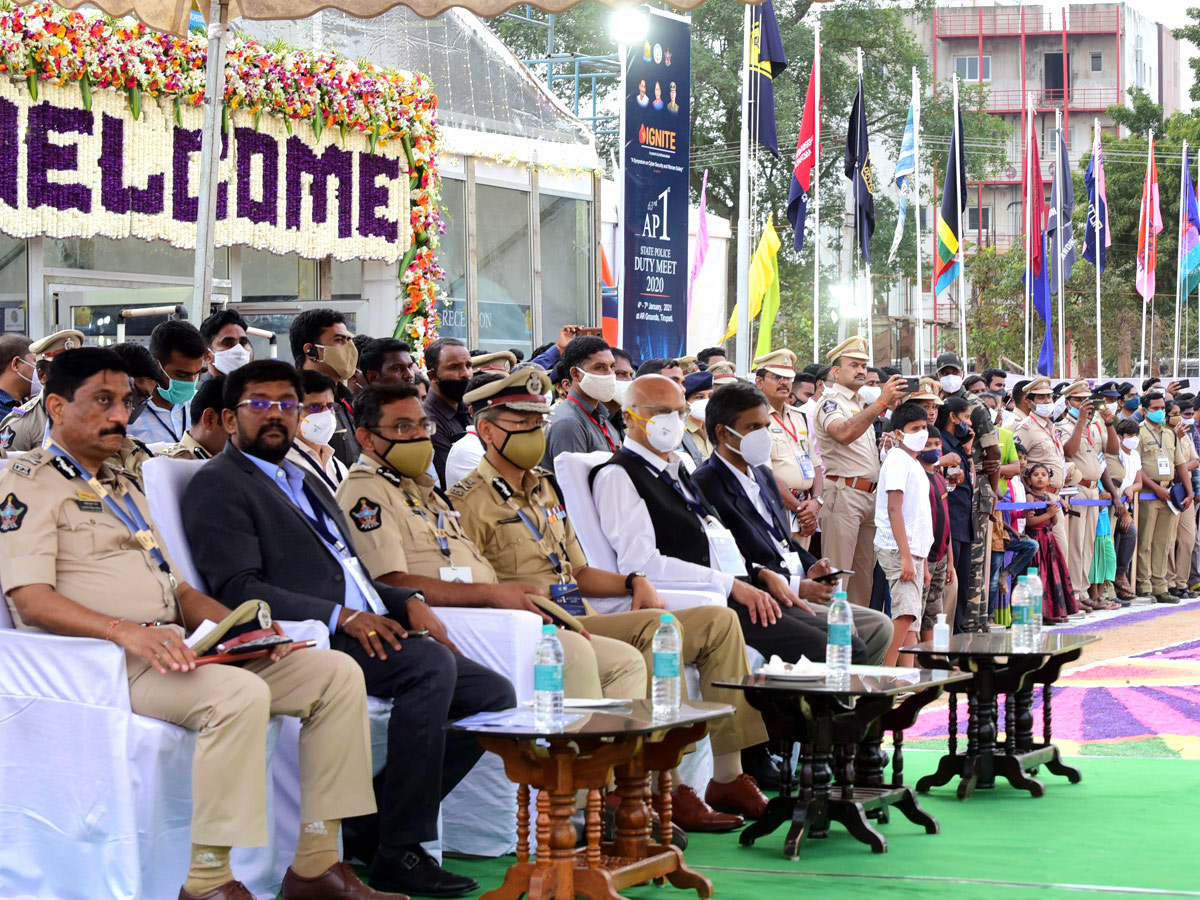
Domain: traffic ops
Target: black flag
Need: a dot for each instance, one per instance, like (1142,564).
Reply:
(858,170)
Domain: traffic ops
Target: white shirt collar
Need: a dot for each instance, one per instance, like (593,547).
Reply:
(671,464)
(749,485)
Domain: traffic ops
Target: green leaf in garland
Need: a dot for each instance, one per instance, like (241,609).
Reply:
(287,124)
(85,92)
(406,141)
(135,102)
(342,132)
(421,238)
(31,80)
(225,129)
(178,113)
(373,139)
(318,124)
(408,257)
(257,118)
(402,324)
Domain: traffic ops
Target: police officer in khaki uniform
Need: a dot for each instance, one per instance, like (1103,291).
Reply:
(723,373)
(792,460)
(79,556)
(410,536)
(501,361)
(512,512)
(1162,462)
(846,436)
(1180,561)
(25,427)
(1044,444)
(1084,441)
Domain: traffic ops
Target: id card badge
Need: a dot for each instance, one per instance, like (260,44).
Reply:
(355,570)
(1164,466)
(791,559)
(456,574)
(568,597)
(723,549)
(805,463)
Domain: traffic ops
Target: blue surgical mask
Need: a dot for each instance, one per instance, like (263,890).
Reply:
(961,430)
(930,456)
(1132,403)
(1157,416)
(179,393)
(1072,412)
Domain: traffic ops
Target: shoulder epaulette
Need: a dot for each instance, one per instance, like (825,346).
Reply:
(389,476)
(464,487)
(28,463)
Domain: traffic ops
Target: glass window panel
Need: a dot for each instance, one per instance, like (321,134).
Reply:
(129,255)
(347,279)
(270,277)
(566,239)
(14,283)
(505,291)
(452,254)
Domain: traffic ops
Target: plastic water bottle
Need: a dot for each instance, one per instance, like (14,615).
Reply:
(941,633)
(666,690)
(837,648)
(1036,592)
(548,681)
(1023,610)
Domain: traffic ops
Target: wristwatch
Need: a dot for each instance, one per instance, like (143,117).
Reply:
(629,580)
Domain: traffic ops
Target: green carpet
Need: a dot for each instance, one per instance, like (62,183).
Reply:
(1129,827)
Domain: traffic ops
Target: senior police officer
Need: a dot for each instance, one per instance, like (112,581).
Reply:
(792,460)
(501,361)
(844,430)
(1163,460)
(513,513)
(1043,444)
(408,535)
(79,556)
(25,427)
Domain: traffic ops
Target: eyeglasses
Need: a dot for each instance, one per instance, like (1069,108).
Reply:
(410,429)
(312,409)
(659,411)
(262,405)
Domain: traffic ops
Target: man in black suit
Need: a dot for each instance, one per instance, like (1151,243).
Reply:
(260,528)
(737,481)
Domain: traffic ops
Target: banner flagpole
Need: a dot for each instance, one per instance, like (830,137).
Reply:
(1179,255)
(816,191)
(962,238)
(742,341)
(1096,230)
(916,180)
(1058,232)
(870,298)
(1028,226)
(1146,213)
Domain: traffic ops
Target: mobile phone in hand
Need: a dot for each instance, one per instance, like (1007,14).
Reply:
(834,575)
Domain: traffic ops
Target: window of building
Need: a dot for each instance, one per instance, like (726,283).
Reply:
(566,239)
(268,277)
(130,255)
(967,67)
(505,268)
(1097,62)
(452,254)
(975,215)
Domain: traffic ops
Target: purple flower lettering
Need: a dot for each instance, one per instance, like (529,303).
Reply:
(250,145)
(333,163)
(45,157)
(115,195)
(8,151)
(372,195)
(184,206)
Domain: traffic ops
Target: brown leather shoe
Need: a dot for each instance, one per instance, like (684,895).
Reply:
(338,882)
(693,814)
(230,890)
(741,796)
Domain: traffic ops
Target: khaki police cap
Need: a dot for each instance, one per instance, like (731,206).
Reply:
(723,373)
(524,390)
(1038,386)
(1079,387)
(927,391)
(852,347)
(53,344)
(500,361)
(687,363)
(777,362)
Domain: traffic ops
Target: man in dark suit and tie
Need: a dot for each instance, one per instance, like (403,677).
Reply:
(737,480)
(260,528)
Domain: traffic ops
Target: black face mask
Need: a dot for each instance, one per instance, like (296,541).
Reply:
(453,388)
(961,430)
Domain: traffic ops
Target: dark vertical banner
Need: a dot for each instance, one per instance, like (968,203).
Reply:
(655,151)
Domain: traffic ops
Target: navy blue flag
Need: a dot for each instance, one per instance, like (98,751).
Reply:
(1097,218)
(860,173)
(767,60)
(1062,208)
(1041,303)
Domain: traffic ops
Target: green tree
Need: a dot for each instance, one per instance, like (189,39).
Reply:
(1143,115)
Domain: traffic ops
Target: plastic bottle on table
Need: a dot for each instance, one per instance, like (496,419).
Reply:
(837,648)
(941,633)
(666,690)
(1036,591)
(1022,610)
(548,681)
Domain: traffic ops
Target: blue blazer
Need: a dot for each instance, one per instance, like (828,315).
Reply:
(751,532)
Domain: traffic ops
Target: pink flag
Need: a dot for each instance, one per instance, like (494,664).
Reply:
(1149,226)
(701,239)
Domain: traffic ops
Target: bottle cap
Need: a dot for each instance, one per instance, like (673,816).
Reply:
(547,629)
(941,618)
(1022,579)
(1032,572)
(840,595)
(666,617)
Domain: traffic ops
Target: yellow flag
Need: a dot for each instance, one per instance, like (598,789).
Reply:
(764,272)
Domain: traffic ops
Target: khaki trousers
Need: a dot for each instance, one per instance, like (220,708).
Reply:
(1181,550)
(229,706)
(847,522)
(1155,522)
(712,639)
(1082,542)
(601,667)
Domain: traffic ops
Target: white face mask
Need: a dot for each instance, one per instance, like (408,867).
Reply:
(319,427)
(950,383)
(622,388)
(35,383)
(1045,410)
(868,394)
(599,387)
(1111,407)
(1189,420)
(235,357)
(665,431)
(915,441)
(698,408)
(755,448)
(1130,443)
(1060,407)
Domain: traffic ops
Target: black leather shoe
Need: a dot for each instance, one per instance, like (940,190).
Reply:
(1165,598)
(416,873)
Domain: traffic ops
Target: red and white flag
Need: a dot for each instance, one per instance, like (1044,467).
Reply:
(1149,226)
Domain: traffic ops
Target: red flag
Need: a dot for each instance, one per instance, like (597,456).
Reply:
(1149,225)
(1035,196)
(803,163)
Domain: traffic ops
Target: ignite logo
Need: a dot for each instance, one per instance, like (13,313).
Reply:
(660,138)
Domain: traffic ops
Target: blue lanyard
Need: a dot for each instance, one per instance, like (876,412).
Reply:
(554,558)
(130,516)
(694,505)
(439,533)
(169,424)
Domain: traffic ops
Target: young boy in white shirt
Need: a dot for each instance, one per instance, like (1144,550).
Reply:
(904,522)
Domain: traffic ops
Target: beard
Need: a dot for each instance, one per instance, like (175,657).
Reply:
(271,443)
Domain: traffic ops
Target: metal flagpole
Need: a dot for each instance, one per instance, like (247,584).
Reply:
(1058,232)
(870,299)
(742,342)
(1179,254)
(210,158)
(1145,213)
(816,190)
(962,237)
(916,198)
(1097,227)
(1028,226)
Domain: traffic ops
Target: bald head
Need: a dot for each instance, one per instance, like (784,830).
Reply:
(650,396)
